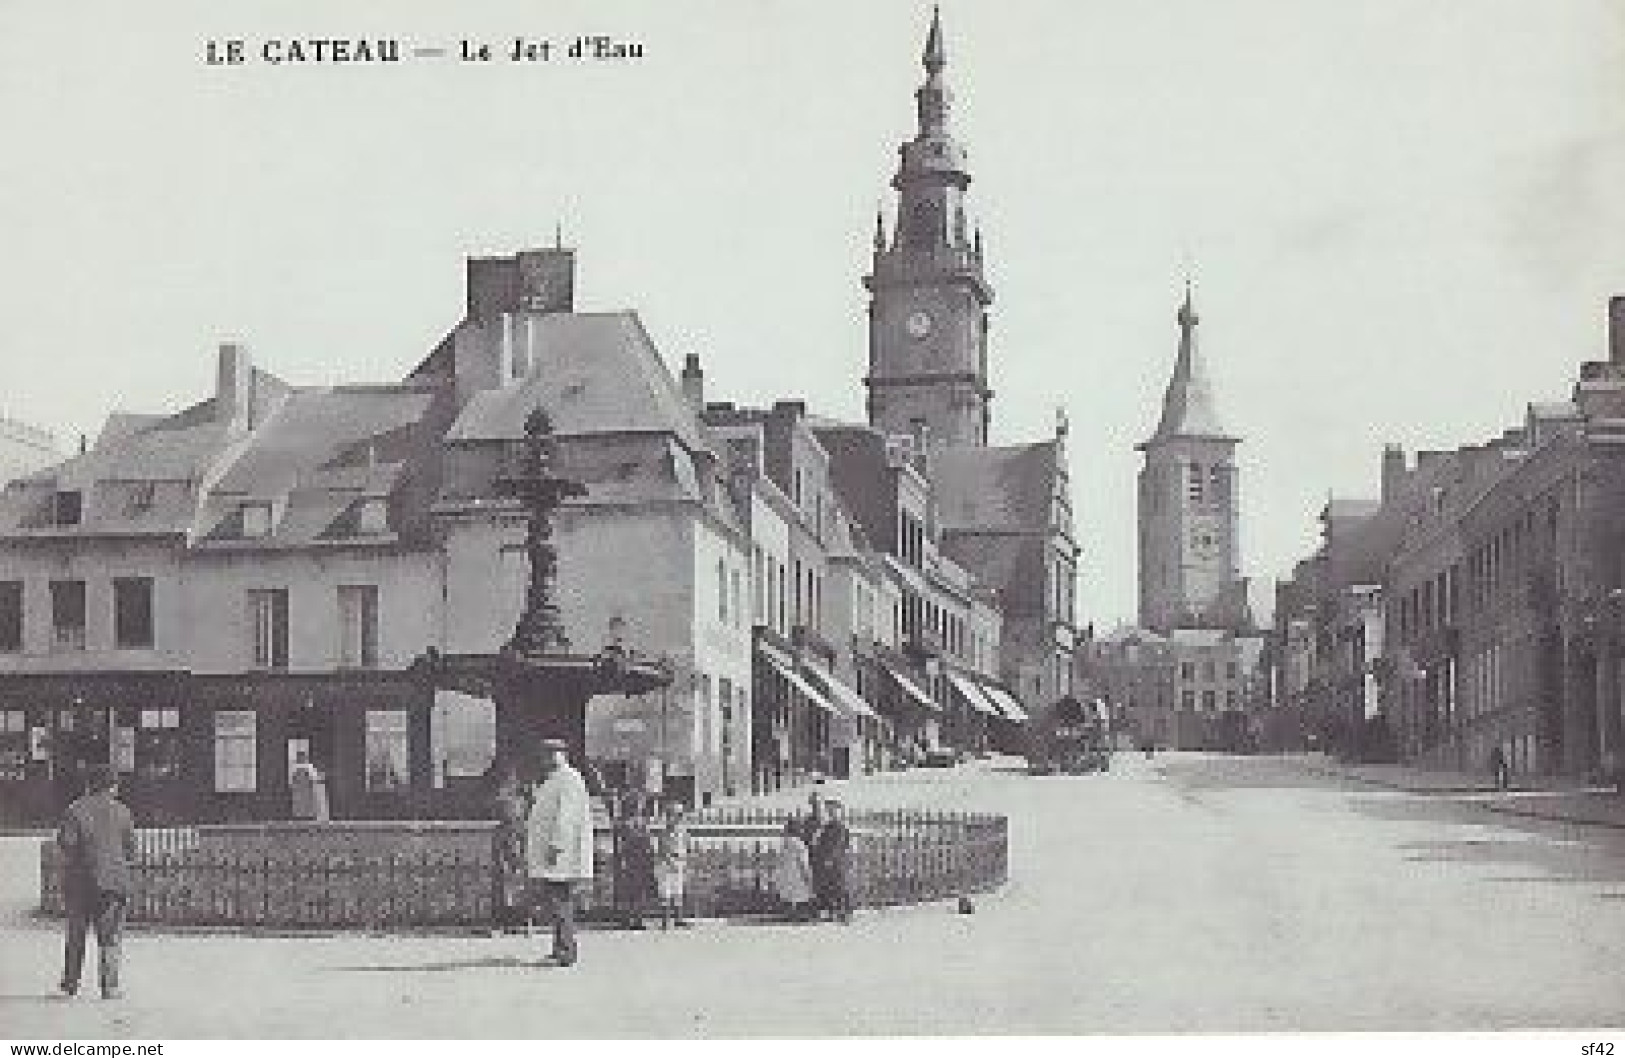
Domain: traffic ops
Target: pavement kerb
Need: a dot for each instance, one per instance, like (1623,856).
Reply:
(1488,806)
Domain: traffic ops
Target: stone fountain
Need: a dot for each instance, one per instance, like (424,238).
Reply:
(539,686)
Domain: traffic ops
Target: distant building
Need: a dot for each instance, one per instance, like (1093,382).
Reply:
(1201,690)
(24,448)
(1480,605)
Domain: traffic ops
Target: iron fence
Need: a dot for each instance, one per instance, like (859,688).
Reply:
(398,875)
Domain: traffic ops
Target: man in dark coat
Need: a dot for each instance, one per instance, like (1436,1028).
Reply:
(832,862)
(97,839)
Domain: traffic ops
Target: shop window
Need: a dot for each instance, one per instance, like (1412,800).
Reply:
(358,625)
(236,751)
(132,612)
(388,751)
(268,625)
(158,744)
(11,615)
(462,735)
(68,614)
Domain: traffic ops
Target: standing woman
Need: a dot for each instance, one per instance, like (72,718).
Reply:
(792,875)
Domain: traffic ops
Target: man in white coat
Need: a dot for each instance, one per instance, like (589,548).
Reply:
(560,845)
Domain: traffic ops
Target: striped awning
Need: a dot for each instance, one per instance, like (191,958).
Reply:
(800,683)
(1006,702)
(972,694)
(909,687)
(839,693)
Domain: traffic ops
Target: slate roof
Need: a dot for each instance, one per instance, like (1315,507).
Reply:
(1187,404)
(317,458)
(1014,565)
(595,373)
(1007,487)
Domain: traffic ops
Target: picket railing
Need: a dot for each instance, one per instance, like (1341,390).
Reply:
(398,875)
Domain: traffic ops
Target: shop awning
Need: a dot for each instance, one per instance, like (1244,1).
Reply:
(973,696)
(843,695)
(801,684)
(910,688)
(1006,702)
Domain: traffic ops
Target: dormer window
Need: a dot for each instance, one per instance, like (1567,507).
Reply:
(67,507)
(256,520)
(372,516)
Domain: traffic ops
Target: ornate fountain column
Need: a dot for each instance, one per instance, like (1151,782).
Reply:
(535,483)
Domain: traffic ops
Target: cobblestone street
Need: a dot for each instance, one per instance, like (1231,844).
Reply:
(1189,894)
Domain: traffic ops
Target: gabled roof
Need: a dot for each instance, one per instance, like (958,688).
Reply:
(997,488)
(1014,565)
(595,373)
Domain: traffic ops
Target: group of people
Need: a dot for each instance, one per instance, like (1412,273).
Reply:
(813,874)
(651,861)
(543,855)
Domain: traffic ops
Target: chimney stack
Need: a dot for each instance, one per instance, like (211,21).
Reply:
(693,383)
(1393,472)
(233,390)
(1616,330)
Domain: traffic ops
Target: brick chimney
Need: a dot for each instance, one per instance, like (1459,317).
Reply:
(693,383)
(234,388)
(1616,330)
(1393,472)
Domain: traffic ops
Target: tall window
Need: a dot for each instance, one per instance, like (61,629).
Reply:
(1210,701)
(132,612)
(11,615)
(358,625)
(235,751)
(736,593)
(388,754)
(722,591)
(268,624)
(1193,486)
(68,614)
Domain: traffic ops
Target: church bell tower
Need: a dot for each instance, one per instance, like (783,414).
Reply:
(1189,503)
(928,296)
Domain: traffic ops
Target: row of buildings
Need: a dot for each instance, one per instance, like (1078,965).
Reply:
(1477,602)
(201,596)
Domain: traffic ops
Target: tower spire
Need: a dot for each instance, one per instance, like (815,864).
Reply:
(1187,405)
(936,56)
(880,228)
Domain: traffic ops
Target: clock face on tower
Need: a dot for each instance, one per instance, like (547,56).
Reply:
(1204,541)
(918,324)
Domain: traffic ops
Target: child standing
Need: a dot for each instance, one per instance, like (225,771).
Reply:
(671,865)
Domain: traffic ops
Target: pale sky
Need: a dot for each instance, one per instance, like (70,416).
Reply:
(1405,215)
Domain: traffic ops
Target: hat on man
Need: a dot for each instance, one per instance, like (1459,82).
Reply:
(555,743)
